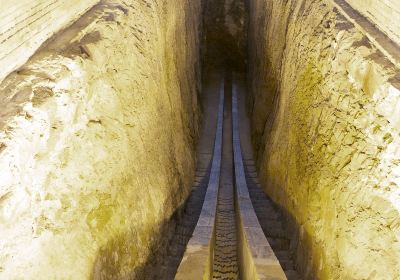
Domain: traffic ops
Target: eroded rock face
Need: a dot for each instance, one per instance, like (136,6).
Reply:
(384,14)
(324,108)
(27,24)
(96,142)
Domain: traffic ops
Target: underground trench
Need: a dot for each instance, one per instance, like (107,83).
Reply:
(205,139)
(218,235)
(228,242)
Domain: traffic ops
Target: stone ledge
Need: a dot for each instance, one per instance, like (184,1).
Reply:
(256,257)
(198,258)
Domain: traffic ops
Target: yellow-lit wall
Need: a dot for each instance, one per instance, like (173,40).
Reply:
(26,24)
(384,13)
(325,108)
(97,137)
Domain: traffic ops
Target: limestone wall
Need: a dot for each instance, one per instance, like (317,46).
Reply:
(26,24)
(384,13)
(325,107)
(97,133)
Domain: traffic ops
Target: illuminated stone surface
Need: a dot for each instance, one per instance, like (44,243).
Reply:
(328,146)
(384,13)
(97,131)
(97,138)
(26,24)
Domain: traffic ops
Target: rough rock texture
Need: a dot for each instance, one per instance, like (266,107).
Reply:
(384,13)
(96,142)
(325,106)
(26,24)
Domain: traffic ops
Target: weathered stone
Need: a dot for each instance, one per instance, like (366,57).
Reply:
(98,131)
(25,25)
(326,131)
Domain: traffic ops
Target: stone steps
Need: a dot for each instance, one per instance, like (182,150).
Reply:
(271,221)
(185,225)
(225,251)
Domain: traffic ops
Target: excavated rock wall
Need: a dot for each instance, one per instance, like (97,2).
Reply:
(97,136)
(384,13)
(26,24)
(325,104)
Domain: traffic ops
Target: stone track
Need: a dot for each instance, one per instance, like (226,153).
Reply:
(225,244)
(225,254)
(168,263)
(271,221)
(225,250)
(166,270)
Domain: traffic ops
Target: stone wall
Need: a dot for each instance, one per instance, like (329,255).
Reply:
(26,24)
(324,105)
(97,136)
(384,13)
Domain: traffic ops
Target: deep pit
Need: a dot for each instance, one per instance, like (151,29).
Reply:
(108,121)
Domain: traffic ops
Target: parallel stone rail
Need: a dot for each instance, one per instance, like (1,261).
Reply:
(257,259)
(197,261)
(26,24)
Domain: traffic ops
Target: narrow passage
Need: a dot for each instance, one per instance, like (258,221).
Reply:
(225,254)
